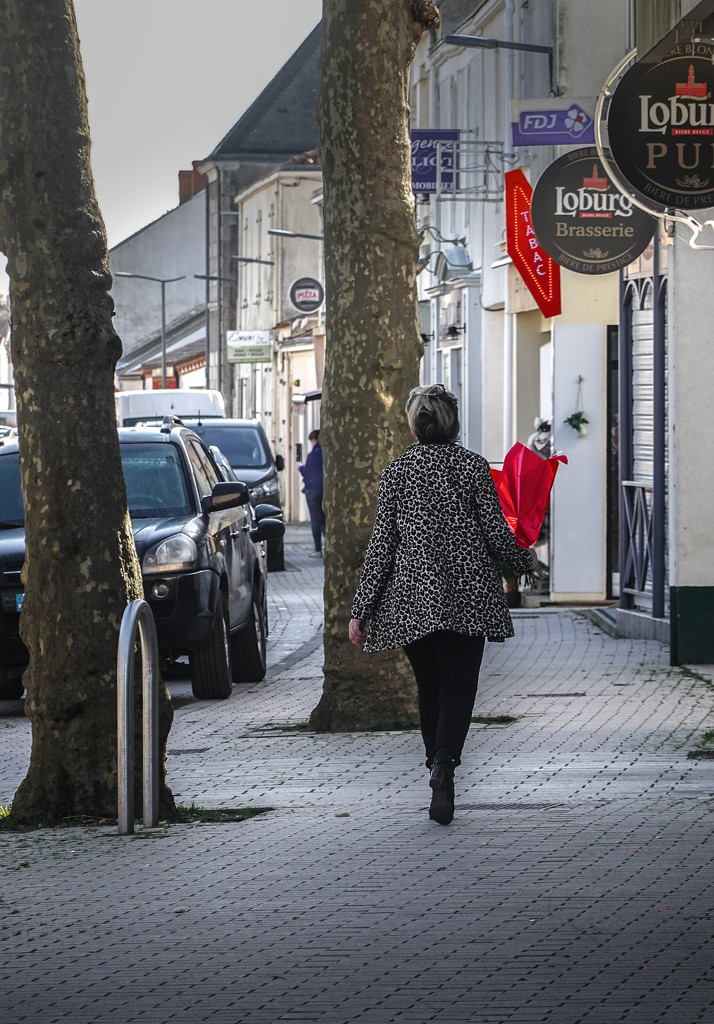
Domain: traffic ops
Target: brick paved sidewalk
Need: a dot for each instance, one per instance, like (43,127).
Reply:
(575,885)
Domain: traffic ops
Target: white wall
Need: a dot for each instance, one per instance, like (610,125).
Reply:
(172,246)
(472,410)
(284,201)
(469,89)
(493,447)
(691,387)
(593,38)
(578,514)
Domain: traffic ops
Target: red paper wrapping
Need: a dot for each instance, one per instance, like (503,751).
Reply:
(523,487)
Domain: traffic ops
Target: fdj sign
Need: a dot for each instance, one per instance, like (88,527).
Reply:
(582,220)
(552,122)
(661,129)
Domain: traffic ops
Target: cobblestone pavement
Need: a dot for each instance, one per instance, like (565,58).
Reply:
(575,885)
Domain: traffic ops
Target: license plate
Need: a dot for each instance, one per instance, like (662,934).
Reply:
(19,598)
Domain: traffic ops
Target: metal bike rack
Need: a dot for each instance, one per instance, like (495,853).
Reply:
(137,618)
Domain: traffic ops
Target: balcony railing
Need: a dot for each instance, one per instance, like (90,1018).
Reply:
(635,576)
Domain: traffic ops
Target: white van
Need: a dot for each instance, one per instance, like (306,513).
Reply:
(147,406)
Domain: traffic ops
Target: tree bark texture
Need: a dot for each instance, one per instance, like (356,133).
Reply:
(81,567)
(373,343)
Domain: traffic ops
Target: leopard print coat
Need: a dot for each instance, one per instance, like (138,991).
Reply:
(433,557)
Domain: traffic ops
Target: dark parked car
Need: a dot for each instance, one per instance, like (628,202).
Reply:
(200,546)
(246,447)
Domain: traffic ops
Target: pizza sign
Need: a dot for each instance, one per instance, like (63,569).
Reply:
(307,294)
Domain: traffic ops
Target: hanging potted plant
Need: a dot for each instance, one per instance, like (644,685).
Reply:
(578,422)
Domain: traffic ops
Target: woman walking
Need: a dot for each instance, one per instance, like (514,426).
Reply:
(431,581)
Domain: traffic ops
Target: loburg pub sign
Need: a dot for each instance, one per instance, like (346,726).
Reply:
(661,129)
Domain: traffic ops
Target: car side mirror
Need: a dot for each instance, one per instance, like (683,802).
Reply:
(264,510)
(267,529)
(279,463)
(225,495)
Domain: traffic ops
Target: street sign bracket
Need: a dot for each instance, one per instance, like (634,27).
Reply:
(507,44)
(475,174)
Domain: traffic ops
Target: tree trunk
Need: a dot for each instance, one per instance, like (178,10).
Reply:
(373,344)
(81,567)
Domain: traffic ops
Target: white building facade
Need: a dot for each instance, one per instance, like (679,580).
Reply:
(279,246)
(637,337)
(487,338)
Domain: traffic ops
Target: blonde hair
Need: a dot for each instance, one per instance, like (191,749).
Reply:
(433,414)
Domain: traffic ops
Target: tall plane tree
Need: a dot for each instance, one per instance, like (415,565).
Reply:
(373,344)
(81,567)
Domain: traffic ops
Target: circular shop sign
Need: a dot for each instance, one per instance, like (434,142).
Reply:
(307,294)
(661,129)
(582,221)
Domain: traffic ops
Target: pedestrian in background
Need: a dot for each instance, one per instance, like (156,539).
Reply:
(431,581)
(312,478)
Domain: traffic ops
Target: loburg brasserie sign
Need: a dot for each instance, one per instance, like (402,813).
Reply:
(582,220)
(660,126)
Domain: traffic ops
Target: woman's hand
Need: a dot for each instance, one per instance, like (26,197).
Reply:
(358,632)
(534,558)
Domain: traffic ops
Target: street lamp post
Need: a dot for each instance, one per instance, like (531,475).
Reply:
(163,281)
(219,348)
(293,234)
(253,259)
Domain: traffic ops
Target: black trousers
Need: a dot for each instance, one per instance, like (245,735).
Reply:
(446,667)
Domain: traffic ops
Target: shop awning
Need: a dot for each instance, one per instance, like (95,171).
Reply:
(177,351)
(308,396)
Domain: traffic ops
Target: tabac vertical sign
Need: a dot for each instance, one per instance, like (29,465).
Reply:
(540,273)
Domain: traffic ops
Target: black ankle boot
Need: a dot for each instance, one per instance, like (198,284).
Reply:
(441,781)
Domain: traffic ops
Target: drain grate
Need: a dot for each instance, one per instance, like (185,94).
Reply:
(188,750)
(701,755)
(551,695)
(509,807)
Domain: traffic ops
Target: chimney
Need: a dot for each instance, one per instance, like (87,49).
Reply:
(191,182)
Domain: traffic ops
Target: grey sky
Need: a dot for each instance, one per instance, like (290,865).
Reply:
(166,80)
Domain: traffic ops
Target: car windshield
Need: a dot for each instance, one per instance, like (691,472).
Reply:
(12,512)
(155,482)
(242,446)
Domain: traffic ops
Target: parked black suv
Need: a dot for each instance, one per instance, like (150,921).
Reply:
(246,447)
(200,546)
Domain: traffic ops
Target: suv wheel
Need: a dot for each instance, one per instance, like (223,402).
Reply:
(249,646)
(211,664)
